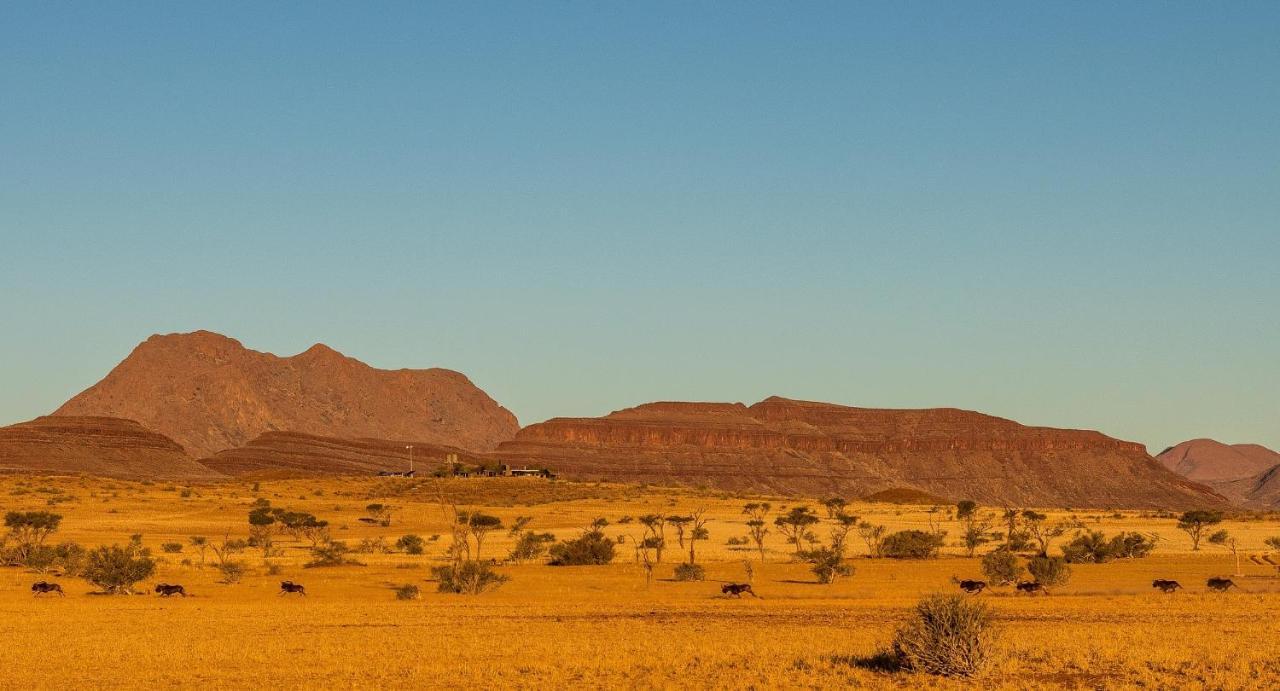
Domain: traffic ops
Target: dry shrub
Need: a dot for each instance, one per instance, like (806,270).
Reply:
(951,635)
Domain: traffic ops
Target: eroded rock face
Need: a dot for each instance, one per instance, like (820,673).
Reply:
(1247,474)
(293,453)
(799,447)
(109,447)
(210,393)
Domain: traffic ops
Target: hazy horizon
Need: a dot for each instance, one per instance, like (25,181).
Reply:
(1066,216)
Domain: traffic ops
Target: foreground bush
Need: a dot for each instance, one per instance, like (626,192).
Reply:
(828,564)
(911,544)
(951,635)
(468,577)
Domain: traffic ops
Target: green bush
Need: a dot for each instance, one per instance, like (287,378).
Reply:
(591,548)
(1001,567)
(332,553)
(951,635)
(828,564)
(1049,571)
(911,544)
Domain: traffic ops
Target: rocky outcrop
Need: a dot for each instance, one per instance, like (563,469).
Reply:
(293,453)
(209,393)
(1246,474)
(800,447)
(104,446)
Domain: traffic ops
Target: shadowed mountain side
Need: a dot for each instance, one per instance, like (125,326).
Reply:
(110,447)
(294,453)
(814,449)
(210,393)
(1246,474)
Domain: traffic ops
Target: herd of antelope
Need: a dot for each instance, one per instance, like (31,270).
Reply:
(161,589)
(1220,585)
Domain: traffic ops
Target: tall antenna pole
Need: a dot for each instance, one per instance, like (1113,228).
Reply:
(410,448)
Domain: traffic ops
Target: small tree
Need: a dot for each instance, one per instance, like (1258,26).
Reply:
(201,544)
(965,508)
(795,525)
(29,530)
(1040,530)
(1194,523)
(977,530)
(468,578)
(697,531)
(529,545)
(679,523)
(479,525)
(655,525)
(1224,539)
(1049,571)
(834,506)
(873,536)
(1001,567)
(756,527)
(116,569)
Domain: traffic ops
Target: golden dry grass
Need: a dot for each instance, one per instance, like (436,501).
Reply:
(593,627)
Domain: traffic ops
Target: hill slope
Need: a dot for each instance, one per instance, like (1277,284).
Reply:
(1247,474)
(781,445)
(110,447)
(210,393)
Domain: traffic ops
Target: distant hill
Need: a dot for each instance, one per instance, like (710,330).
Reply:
(209,393)
(109,447)
(1247,474)
(293,453)
(817,449)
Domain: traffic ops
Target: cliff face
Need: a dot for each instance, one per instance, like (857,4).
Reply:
(293,453)
(1247,474)
(209,393)
(104,446)
(799,447)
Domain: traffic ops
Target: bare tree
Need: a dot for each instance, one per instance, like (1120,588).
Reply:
(756,526)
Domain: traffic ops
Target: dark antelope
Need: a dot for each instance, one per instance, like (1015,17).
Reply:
(737,589)
(166,590)
(1031,587)
(1165,586)
(291,587)
(41,587)
(1221,585)
(972,587)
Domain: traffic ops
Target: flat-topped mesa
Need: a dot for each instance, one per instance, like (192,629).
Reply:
(814,448)
(210,393)
(294,453)
(95,445)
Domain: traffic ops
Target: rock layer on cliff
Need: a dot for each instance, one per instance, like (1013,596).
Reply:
(210,393)
(293,453)
(104,446)
(799,447)
(1246,474)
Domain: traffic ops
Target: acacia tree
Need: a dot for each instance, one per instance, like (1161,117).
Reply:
(698,530)
(1194,523)
(965,508)
(873,535)
(655,525)
(756,524)
(977,531)
(479,525)
(1224,539)
(1041,532)
(380,513)
(201,543)
(680,523)
(795,525)
(834,506)
(29,529)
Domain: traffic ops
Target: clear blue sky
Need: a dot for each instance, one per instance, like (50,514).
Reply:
(1066,214)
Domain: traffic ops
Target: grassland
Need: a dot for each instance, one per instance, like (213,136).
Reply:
(593,627)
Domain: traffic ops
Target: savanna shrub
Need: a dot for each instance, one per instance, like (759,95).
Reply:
(911,544)
(171,547)
(828,564)
(411,544)
(951,635)
(468,577)
(591,548)
(1049,570)
(116,569)
(408,592)
(1001,567)
(690,572)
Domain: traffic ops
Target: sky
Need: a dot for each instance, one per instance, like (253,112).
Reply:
(1067,214)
